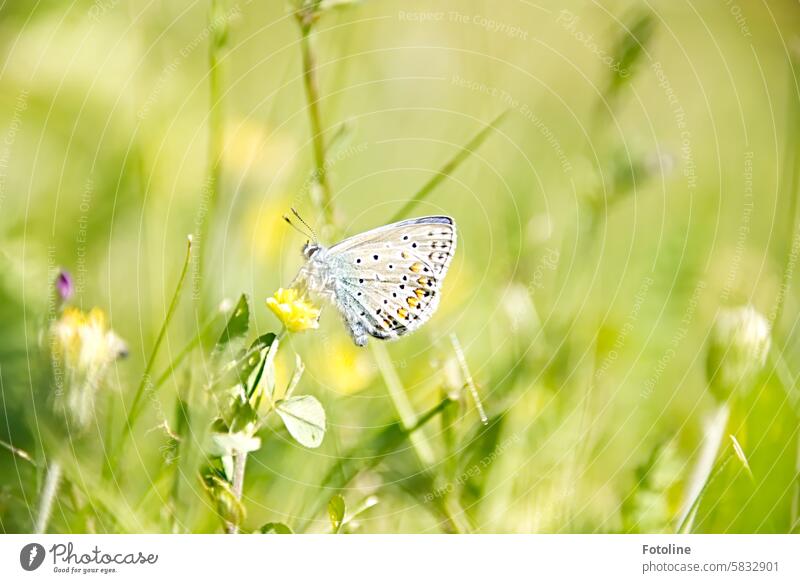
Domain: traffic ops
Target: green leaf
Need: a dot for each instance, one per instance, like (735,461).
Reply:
(630,47)
(304,418)
(228,506)
(251,370)
(237,327)
(275,528)
(336,510)
(476,462)
(652,502)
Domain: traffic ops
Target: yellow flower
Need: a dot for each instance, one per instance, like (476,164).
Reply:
(343,367)
(83,347)
(296,313)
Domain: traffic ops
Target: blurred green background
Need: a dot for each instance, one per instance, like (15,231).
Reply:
(602,224)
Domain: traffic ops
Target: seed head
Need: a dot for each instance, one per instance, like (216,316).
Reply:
(740,342)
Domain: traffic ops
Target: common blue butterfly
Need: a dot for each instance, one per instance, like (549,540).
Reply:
(385,282)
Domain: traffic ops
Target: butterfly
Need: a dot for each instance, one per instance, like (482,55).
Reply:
(385,282)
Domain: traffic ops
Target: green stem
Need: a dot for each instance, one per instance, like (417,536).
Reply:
(51,483)
(402,405)
(146,380)
(191,345)
(448,168)
(239,462)
(240,457)
(210,194)
(792,159)
(686,524)
(704,471)
(311,85)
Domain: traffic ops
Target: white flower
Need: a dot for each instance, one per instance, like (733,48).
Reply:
(740,342)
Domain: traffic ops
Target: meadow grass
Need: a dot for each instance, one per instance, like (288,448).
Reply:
(589,370)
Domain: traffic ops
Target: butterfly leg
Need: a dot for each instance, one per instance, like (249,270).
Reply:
(357,331)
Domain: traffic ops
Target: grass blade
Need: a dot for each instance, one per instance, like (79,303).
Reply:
(448,168)
(135,406)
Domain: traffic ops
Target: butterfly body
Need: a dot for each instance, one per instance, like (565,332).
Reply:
(385,282)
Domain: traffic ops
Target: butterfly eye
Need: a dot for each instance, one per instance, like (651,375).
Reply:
(375,257)
(358,260)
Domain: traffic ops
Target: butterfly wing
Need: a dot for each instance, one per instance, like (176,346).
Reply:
(388,280)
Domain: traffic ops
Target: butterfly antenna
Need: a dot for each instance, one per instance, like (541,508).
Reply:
(295,227)
(299,218)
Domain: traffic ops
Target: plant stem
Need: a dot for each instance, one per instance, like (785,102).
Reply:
(311,85)
(146,380)
(240,457)
(191,345)
(51,483)
(239,462)
(468,381)
(401,403)
(685,525)
(210,194)
(448,168)
(702,474)
(21,453)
